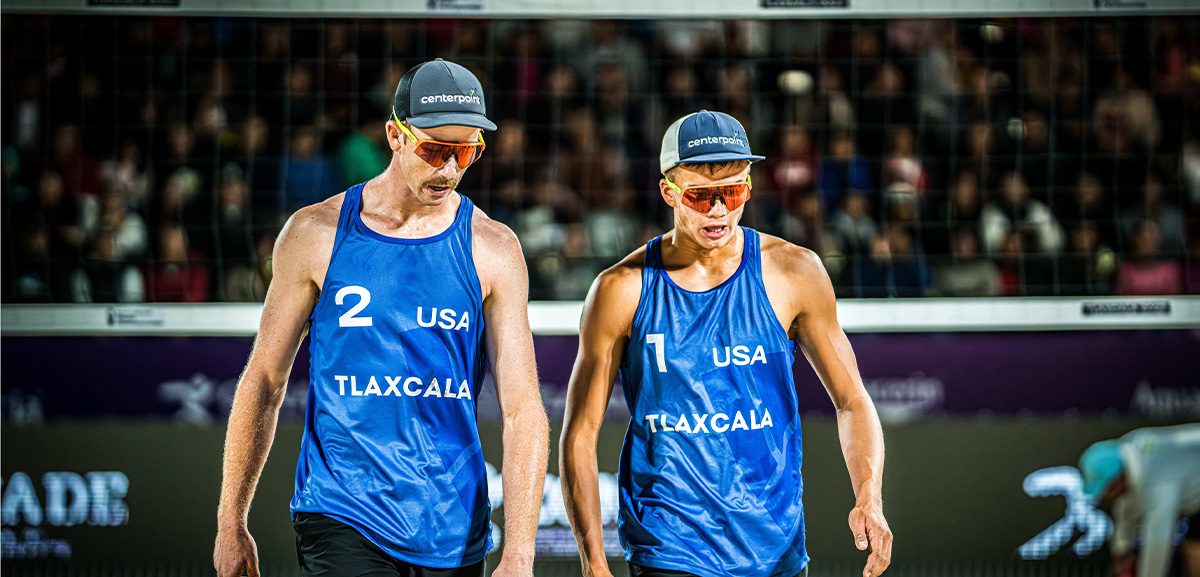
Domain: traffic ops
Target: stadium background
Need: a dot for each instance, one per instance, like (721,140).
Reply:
(151,154)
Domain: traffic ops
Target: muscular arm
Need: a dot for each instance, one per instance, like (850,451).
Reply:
(526,430)
(828,351)
(260,392)
(607,317)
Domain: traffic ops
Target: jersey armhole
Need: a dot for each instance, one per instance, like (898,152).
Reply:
(339,235)
(640,312)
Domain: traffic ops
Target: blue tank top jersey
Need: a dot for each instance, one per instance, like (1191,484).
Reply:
(710,469)
(390,441)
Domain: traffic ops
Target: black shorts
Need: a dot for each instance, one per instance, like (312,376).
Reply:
(329,548)
(636,570)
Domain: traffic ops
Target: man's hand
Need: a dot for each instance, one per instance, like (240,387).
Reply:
(870,528)
(235,553)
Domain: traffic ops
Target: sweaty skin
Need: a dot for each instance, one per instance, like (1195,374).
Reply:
(699,254)
(414,200)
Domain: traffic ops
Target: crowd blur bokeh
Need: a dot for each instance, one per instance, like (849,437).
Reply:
(156,158)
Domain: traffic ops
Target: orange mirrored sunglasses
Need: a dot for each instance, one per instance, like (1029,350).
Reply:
(701,198)
(437,153)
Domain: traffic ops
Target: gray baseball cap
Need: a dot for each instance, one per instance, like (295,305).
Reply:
(441,93)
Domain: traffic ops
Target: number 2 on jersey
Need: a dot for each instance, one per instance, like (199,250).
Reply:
(364,298)
(656,339)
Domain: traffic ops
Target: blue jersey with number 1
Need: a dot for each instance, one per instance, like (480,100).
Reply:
(710,470)
(390,441)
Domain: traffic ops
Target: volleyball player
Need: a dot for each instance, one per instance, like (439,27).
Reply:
(703,323)
(407,291)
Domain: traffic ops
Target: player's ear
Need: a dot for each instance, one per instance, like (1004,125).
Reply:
(665,190)
(395,138)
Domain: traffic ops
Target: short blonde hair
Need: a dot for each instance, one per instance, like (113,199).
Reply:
(708,169)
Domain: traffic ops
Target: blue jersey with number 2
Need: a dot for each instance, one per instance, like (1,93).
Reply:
(710,470)
(390,441)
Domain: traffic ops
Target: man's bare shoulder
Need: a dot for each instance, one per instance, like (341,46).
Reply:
(618,289)
(790,259)
(306,241)
(494,238)
(315,221)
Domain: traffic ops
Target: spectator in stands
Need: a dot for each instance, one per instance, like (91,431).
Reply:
(79,172)
(902,163)
(968,274)
(178,273)
(794,170)
(842,171)
(1145,271)
(259,164)
(883,102)
(307,176)
(1015,211)
(1126,109)
(55,237)
(127,173)
(111,278)
(361,153)
(32,277)
(1087,268)
(1091,205)
(804,225)
(1154,206)
(893,268)
(853,226)
(610,227)
(234,233)
(127,231)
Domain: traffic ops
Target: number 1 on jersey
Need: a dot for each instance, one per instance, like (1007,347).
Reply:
(656,339)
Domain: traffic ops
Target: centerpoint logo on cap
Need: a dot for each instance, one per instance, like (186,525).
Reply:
(734,140)
(452,98)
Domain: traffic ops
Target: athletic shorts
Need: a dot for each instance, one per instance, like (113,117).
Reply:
(636,570)
(329,548)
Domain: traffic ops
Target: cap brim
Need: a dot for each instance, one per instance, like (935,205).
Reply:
(716,157)
(437,119)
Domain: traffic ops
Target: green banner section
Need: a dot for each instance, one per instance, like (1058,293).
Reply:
(147,493)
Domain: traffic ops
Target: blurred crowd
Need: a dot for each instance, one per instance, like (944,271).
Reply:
(156,158)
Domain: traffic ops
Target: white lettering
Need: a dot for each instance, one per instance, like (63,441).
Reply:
(650,419)
(739,421)
(341,379)
(722,427)
(766,420)
(432,317)
(716,140)
(682,425)
(451,98)
(393,384)
(700,425)
(408,390)
(739,355)
(760,356)
(354,387)
(373,388)
(434,389)
(464,323)
(464,390)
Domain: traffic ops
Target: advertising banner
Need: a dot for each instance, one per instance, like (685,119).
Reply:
(1150,374)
